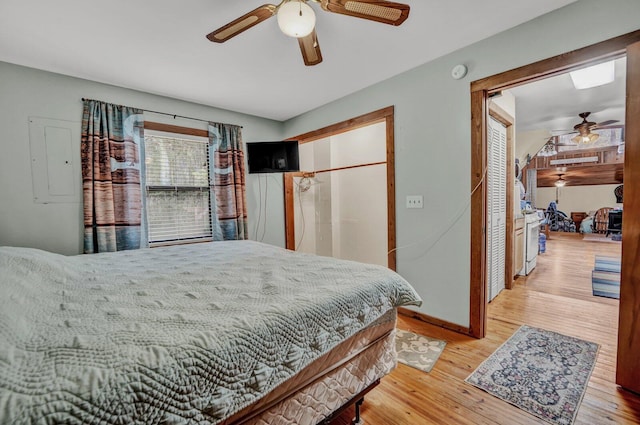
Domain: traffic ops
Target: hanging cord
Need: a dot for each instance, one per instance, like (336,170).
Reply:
(259,207)
(266,198)
(302,188)
(447,229)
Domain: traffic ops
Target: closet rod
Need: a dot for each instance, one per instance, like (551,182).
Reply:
(350,167)
(165,113)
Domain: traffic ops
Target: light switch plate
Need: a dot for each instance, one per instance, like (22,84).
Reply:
(415,201)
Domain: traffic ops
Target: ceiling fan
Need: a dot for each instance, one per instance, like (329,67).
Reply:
(584,130)
(297,19)
(560,182)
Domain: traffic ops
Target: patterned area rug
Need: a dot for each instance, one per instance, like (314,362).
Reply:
(418,351)
(541,372)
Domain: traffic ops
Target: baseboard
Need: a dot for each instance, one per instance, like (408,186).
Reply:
(434,321)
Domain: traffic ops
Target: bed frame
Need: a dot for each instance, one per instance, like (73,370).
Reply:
(357,401)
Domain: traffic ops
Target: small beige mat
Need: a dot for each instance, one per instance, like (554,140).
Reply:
(418,351)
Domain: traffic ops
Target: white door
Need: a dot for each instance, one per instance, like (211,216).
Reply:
(496,206)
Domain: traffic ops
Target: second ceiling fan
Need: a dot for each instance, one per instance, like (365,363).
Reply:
(584,137)
(584,129)
(297,19)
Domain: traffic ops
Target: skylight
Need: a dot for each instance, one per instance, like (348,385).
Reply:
(593,76)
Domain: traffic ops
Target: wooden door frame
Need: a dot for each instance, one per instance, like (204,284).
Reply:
(480,91)
(385,115)
(628,371)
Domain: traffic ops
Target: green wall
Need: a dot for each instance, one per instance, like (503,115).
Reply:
(433,133)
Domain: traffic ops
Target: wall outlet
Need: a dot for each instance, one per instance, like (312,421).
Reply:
(415,201)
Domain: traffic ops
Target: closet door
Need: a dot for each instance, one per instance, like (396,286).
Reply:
(496,206)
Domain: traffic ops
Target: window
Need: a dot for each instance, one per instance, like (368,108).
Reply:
(177,184)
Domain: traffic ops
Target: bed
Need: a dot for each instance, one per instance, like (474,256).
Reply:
(213,333)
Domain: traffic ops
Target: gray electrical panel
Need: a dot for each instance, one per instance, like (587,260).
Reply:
(55,160)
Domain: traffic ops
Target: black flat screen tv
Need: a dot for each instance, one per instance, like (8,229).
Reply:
(273,157)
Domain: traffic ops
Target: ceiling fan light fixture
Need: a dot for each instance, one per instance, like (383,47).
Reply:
(594,76)
(296,18)
(560,182)
(585,138)
(549,149)
(551,152)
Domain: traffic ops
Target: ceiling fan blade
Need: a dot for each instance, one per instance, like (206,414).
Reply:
(555,141)
(387,12)
(605,123)
(566,133)
(310,49)
(243,23)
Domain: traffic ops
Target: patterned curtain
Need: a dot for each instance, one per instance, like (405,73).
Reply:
(112,169)
(228,187)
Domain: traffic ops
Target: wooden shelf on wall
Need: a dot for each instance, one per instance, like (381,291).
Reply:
(607,169)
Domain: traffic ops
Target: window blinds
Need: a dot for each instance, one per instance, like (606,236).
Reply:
(178,197)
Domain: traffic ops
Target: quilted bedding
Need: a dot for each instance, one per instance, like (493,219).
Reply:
(188,334)
(330,382)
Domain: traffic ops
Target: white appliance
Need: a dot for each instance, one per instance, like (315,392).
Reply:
(531,233)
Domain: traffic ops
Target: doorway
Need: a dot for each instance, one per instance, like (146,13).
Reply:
(340,200)
(380,169)
(628,371)
(569,178)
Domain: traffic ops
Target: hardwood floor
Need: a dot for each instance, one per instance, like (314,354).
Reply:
(555,296)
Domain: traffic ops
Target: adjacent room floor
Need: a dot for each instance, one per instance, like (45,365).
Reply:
(556,296)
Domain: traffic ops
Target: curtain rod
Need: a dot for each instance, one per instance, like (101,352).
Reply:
(165,113)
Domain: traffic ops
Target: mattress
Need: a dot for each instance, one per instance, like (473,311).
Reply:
(188,334)
(329,382)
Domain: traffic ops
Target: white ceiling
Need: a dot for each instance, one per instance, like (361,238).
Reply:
(160,47)
(553,104)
